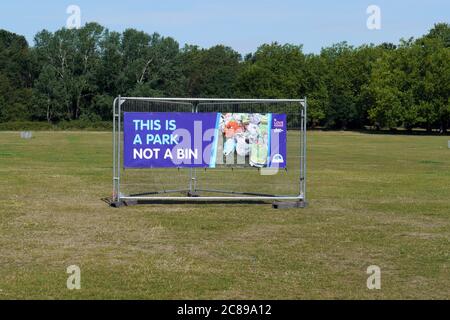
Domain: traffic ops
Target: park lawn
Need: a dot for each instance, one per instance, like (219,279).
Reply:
(373,200)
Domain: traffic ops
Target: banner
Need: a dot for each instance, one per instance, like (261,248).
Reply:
(161,140)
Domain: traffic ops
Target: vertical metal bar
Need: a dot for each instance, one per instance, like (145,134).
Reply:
(304,149)
(114,194)
(191,169)
(301,193)
(118,146)
(195,169)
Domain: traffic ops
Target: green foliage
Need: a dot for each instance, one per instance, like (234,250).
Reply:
(25,125)
(273,71)
(15,79)
(75,75)
(82,124)
(210,72)
(410,86)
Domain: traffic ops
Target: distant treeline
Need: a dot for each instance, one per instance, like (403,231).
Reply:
(75,74)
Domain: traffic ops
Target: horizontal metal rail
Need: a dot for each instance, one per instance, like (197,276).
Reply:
(158,192)
(237,192)
(210,198)
(213,99)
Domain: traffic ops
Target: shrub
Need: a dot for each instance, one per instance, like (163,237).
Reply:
(63,125)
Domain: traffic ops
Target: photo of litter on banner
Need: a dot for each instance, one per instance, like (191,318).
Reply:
(254,139)
(183,140)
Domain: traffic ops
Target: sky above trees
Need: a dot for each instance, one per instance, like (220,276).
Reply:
(242,25)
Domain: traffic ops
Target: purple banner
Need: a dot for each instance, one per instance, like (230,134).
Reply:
(158,140)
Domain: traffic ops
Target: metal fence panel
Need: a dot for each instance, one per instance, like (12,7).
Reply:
(220,183)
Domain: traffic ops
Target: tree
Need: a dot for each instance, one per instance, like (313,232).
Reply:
(274,71)
(15,77)
(75,74)
(67,60)
(151,64)
(440,32)
(210,72)
(347,72)
(316,89)
(434,68)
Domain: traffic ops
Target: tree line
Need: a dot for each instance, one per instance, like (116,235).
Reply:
(74,74)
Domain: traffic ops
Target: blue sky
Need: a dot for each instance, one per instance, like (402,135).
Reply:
(243,25)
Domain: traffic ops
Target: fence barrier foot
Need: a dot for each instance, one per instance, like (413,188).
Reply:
(117,204)
(131,202)
(193,194)
(127,203)
(288,204)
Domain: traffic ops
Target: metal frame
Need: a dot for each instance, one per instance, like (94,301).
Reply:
(156,195)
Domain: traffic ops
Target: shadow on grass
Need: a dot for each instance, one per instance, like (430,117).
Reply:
(109,201)
(126,203)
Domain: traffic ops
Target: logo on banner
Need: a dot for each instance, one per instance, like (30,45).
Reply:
(278,123)
(278,158)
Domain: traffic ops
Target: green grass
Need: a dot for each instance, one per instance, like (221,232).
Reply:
(373,200)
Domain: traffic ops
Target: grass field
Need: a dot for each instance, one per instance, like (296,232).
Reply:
(373,200)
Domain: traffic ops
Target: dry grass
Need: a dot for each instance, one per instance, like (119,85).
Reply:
(374,199)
